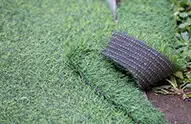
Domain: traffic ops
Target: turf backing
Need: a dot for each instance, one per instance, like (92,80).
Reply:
(152,22)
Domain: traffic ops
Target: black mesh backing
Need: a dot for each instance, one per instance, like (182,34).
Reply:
(145,63)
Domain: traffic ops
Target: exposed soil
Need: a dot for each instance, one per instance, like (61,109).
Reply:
(176,110)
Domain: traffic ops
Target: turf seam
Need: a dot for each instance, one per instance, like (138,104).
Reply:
(97,90)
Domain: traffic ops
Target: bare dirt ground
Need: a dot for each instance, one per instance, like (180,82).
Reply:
(176,110)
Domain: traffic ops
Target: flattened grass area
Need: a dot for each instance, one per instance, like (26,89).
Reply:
(45,42)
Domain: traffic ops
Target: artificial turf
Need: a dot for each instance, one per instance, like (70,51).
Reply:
(43,43)
(36,86)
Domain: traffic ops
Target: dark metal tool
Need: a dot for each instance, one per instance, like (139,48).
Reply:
(146,64)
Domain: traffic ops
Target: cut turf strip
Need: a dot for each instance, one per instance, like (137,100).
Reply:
(145,63)
(117,88)
(148,21)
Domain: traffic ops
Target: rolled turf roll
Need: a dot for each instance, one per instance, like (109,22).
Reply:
(145,63)
(116,87)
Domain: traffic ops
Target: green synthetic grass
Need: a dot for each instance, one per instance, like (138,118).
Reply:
(152,22)
(36,86)
(45,44)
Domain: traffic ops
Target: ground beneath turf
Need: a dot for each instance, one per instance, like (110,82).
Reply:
(176,110)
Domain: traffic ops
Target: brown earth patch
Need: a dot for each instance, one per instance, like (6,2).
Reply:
(176,110)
